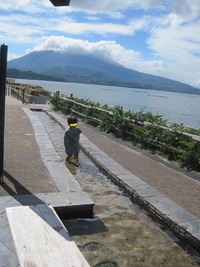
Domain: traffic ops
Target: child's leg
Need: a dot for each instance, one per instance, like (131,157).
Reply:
(69,156)
(76,158)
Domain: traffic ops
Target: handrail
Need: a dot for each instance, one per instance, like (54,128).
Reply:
(193,136)
(20,95)
(89,106)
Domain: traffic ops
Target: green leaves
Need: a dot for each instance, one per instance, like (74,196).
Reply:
(143,129)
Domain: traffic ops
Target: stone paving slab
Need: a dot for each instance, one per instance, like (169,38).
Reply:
(66,204)
(41,239)
(184,224)
(62,177)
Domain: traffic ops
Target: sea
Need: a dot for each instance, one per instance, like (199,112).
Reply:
(178,108)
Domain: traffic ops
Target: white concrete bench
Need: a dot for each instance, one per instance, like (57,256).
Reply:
(40,238)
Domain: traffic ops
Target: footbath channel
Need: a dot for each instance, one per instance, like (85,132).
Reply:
(120,234)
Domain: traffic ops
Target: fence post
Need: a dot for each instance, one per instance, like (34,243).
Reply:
(23,96)
(3,66)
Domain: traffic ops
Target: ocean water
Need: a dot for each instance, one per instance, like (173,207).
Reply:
(175,107)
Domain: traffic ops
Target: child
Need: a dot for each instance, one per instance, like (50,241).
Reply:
(71,140)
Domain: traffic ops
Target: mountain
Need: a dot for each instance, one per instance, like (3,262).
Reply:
(14,73)
(90,69)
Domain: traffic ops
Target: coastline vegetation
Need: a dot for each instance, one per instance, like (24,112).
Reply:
(28,89)
(144,130)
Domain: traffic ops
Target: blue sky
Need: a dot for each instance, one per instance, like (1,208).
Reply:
(160,37)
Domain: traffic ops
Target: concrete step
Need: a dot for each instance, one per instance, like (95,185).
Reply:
(66,204)
(41,239)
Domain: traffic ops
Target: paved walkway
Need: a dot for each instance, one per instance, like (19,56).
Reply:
(24,170)
(162,188)
(33,174)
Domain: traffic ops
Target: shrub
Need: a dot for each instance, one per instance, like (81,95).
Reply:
(144,130)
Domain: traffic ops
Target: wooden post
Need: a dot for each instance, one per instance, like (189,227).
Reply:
(3,67)
(23,96)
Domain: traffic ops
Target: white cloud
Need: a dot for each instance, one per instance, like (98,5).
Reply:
(63,44)
(13,56)
(184,8)
(116,15)
(187,9)
(196,84)
(101,28)
(106,49)
(172,38)
(105,6)
(175,41)
(30,6)
(24,26)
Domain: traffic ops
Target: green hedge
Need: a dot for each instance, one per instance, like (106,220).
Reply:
(142,129)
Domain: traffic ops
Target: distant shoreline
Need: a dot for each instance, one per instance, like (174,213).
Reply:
(16,74)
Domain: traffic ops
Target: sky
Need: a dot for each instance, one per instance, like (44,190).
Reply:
(159,37)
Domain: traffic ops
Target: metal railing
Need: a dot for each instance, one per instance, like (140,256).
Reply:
(18,94)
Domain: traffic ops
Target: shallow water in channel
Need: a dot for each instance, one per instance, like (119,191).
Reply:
(120,234)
